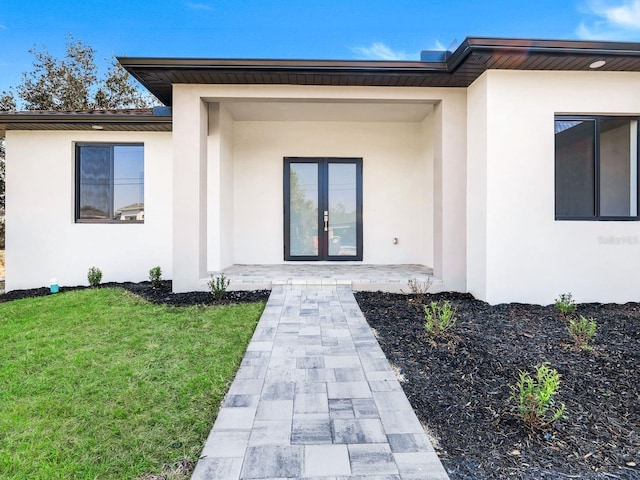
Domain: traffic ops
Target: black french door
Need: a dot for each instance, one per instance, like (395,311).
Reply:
(322,209)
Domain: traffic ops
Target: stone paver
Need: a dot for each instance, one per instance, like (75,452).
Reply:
(316,399)
(360,277)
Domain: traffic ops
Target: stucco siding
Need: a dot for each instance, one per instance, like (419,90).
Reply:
(531,257)
(397,185)
(220,204)
(190,190)
(42,239)
(450,177)
(476,194)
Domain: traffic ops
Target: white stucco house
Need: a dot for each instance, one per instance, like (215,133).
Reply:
(509,166)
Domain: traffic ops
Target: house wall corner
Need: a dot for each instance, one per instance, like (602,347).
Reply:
(476,188)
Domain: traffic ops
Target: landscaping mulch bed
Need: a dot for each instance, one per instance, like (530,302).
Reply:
(459,386)
(159,295)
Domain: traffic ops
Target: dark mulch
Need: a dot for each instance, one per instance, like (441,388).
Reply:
(159,295)
(459,386)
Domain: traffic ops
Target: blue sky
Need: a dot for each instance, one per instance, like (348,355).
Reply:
(309,29)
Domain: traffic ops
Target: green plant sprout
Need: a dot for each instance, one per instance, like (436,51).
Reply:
(565,304)
(533,396)
(155,277)
(94,275)
(439,317)
(218,285)
(582,331)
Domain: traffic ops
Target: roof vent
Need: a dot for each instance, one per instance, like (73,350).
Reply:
(434,55)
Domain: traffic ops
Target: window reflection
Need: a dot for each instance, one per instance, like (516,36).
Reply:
(110,182)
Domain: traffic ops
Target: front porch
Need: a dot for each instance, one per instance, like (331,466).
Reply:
(387,278)
(260,175)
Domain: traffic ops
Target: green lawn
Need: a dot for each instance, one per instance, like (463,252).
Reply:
(101,384)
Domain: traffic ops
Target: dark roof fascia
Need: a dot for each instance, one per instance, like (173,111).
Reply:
(14,119)
(25,117)
(346,67)
(278,65)
(470,46)
(590,47)
(521,46)
(467,47)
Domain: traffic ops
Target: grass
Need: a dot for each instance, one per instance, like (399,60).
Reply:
(101,384)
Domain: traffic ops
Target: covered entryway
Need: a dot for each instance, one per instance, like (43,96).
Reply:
(372,159)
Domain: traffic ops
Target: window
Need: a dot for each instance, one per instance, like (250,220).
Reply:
(596,168)
(109,183)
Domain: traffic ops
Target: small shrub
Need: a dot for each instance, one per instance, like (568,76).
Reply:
(420,288)
(94,276)
(582,331)
(155,277)
(565,304)
(218,286)
(439,317)
(533,397)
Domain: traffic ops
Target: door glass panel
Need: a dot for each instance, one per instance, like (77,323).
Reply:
(342,209)
(303,209)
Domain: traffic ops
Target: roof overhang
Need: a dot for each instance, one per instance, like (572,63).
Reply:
(111,120)
(473,57)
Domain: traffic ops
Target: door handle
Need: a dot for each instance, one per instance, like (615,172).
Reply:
(326,220)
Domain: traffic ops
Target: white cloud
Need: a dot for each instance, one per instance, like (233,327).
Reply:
(380,51)
(619,20)
(626,15)
(439,46)
(199,6)
(598,32)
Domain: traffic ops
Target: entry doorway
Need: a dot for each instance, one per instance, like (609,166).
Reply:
(323,209)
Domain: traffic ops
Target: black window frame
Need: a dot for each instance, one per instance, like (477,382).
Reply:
(596,119)
(323,179)
(112,145)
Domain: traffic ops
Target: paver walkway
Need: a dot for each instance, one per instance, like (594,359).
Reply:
(315,398)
